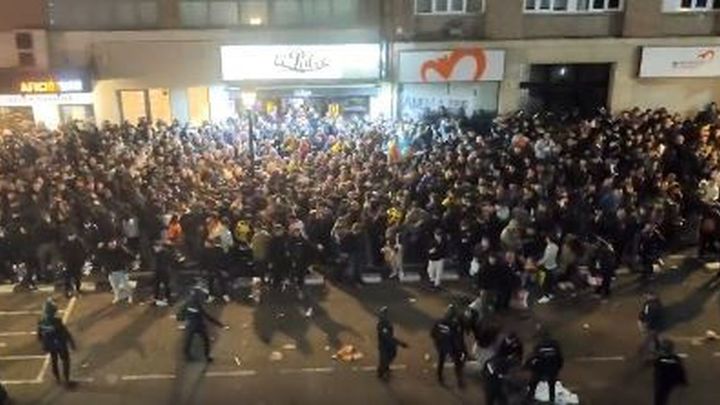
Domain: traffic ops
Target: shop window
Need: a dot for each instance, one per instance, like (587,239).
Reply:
(69,113)
(133,105)
(223,13)
(160,108)
(16,117)
(198,104)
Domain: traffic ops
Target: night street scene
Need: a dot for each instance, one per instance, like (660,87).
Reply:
(359,202)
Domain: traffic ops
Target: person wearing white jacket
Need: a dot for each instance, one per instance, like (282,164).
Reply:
(548,264)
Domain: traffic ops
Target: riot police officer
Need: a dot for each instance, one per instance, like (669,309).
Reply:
(511,348)
(650,321)
(669,372)
(494,374)
(387,344)
(447,333)
(55,340)
(194,316)
(545,364)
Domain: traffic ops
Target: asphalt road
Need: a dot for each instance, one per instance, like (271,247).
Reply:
(274,354)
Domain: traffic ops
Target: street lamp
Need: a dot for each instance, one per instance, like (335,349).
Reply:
(248,99)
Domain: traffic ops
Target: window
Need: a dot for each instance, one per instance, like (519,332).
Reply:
(573,6)
(26,59)
(253,12)
(690,5)
(448,6)
(24,40)
(103,14)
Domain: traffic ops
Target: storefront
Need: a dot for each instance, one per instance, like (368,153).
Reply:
(462,78)
(336,79)
(45,98)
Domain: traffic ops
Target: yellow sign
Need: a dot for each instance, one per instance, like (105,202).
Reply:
(334,110)
(39,87)
(51,86)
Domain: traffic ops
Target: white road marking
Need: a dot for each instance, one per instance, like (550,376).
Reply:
(10,289)
(20,382)
(84,379)
(23,313)
(683,355)
(46,363)
(144,377)
(238,373)
(317,370)
(3,344)
(606,358)
(19,357)
(10,334)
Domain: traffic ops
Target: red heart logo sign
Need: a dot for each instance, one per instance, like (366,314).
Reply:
(445,65)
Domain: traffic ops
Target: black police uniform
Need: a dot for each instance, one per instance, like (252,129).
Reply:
(447,334)
(511,348)
(387,347)
(494,372)
(545,365)
(55,339)
(651,318)
(669,373)
(195,315)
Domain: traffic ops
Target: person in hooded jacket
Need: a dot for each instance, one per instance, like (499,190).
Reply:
(195,317)
(56,340)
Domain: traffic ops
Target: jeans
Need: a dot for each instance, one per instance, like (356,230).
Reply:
(120,283)
(435,271)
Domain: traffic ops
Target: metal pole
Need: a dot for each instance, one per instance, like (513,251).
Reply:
(251,141)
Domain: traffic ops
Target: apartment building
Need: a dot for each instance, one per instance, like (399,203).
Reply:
(500,55)
(195,59)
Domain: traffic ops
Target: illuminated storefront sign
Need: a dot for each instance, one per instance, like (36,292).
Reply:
(300,62)
(469,64)
(51,86)
(680,62)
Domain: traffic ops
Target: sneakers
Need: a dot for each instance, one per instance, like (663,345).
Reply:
(226,298)
(544,299)
(210,300)
(130,299)
(161,303)
(309,312)
(115,300)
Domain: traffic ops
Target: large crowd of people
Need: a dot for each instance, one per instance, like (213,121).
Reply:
(558,200)
(544,202)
